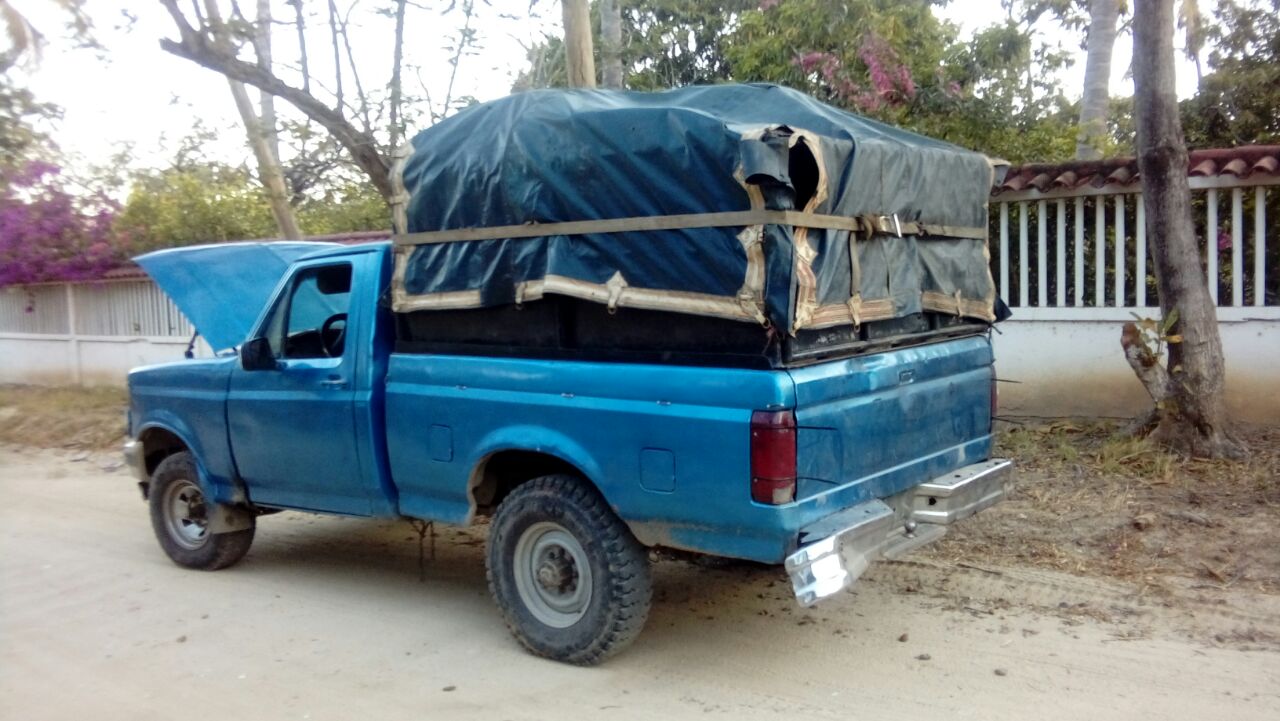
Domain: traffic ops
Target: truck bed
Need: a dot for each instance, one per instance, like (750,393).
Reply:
(559,327)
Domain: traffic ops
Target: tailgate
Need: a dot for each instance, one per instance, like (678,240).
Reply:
(893,420)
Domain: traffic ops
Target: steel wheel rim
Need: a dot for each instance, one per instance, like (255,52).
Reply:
(552,574)
(184,514)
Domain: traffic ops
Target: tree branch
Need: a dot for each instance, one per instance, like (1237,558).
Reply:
(362,146)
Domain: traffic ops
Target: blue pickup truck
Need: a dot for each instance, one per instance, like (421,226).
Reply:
(587,426)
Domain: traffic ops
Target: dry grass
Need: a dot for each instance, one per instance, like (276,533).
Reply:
(1092,501)
(62,417)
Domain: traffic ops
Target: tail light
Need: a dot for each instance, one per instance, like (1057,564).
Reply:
(773,457)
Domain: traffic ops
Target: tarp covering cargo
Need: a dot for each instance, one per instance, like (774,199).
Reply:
(893,223)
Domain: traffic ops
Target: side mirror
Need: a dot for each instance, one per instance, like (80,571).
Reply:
(256,355)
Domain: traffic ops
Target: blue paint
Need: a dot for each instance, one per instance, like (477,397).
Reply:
(403,435)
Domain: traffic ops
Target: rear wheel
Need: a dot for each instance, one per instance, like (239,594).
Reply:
(180,518)
(571,580)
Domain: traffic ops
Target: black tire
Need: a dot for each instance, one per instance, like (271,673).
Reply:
(618,586)
(174,477)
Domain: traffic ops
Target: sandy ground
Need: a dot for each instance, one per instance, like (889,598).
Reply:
(327,619)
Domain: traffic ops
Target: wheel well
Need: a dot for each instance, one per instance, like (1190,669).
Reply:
(501,473)
(158,444)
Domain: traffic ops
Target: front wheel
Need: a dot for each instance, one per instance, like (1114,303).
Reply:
(180,517)
(571,580)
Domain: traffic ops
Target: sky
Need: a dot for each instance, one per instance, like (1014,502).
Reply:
(136,96)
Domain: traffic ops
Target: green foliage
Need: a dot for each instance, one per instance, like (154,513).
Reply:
(211,202)
(198,205)
(349,207)
(1237,101)
(893,60)
(20,140)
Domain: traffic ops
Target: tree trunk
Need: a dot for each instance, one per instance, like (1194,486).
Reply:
(268,165)
(1191,416)
(577,44)
(266,101)
(1103,15)
(611,43)
(397,58)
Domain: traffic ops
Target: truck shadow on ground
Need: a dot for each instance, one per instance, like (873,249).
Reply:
(365,563)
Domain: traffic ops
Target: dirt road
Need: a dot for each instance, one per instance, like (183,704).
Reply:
(326,619)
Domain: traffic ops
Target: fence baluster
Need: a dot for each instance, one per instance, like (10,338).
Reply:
(1023,291)
(1099,252)
(1259,246)
(1237,247)
(1140,238)
(1042,253)
(1060,269)
(1120,248)
(1004,251)
(1211,243)
(1079,255)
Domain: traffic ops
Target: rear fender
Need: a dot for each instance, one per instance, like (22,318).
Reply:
(539,439)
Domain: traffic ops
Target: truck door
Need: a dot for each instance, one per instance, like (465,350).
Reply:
(292,421)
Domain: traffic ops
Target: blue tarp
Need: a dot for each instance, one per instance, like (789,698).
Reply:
(558,156)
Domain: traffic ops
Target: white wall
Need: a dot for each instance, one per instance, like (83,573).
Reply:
(1060,365)
(89,360)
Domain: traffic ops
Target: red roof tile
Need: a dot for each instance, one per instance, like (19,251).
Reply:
(1122,173)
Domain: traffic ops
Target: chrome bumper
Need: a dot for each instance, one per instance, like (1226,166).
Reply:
(850,540)
(133,458)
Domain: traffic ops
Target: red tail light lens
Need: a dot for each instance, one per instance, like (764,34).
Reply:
(773,457)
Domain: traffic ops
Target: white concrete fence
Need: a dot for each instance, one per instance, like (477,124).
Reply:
(1072,264)
(88,333)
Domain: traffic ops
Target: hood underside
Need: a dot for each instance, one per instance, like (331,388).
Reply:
(223,288)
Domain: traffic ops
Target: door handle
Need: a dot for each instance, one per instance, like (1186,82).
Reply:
(334,382)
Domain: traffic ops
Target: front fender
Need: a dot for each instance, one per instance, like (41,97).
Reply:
(219,489)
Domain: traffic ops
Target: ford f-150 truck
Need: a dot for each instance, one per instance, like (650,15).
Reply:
(589,422)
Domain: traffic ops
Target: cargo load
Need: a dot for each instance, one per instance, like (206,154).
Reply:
(745,219)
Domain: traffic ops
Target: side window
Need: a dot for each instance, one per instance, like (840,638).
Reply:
(312,320)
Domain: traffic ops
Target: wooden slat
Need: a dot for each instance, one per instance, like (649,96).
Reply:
(733,219)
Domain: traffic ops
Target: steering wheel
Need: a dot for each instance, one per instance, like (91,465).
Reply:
(336,344)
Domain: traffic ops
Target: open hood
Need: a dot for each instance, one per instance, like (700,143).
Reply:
(223,288)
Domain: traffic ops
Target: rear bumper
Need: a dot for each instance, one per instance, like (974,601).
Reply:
(847,542)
